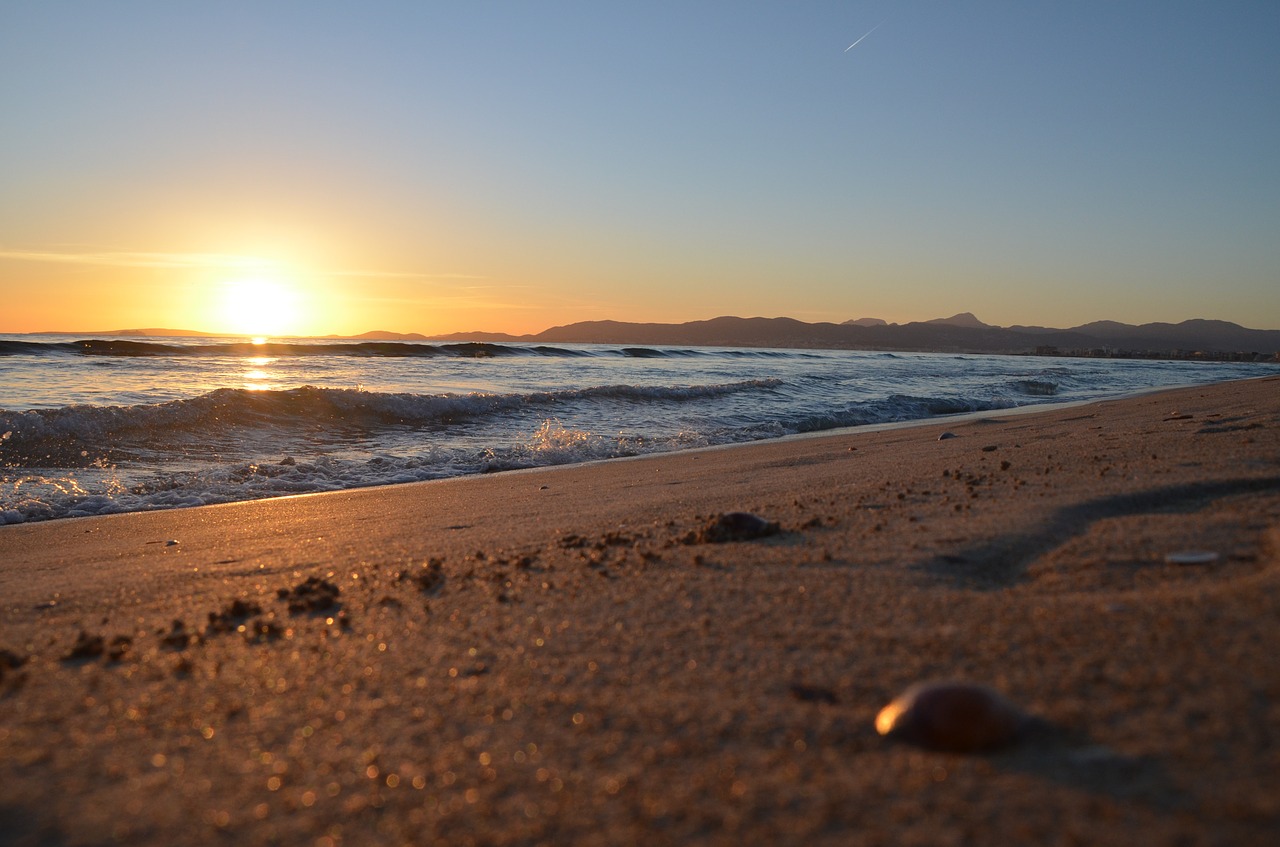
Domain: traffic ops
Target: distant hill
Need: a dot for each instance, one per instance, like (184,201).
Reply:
(717,332)
(150,333)
(962,319)
(383,335)
(866,322)
(963,333)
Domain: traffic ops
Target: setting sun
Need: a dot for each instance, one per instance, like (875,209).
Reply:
(258,306)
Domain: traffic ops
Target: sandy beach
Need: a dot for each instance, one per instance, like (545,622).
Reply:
(578,655)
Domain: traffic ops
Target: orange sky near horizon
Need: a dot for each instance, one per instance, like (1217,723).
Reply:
(231,294)
(244,295)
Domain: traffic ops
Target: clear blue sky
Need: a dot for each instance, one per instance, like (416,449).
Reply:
(424,166)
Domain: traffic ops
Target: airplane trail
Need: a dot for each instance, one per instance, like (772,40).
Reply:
(859,41)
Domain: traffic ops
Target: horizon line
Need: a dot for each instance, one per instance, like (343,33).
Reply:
(956,320)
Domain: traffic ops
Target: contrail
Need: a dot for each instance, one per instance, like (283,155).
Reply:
(859,41)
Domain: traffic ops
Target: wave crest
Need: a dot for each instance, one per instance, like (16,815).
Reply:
(79,436)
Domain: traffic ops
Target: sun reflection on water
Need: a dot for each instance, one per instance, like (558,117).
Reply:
(258,376)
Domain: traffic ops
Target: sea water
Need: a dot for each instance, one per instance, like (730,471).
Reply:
(101,425)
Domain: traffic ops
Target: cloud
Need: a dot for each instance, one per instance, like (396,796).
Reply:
(139,260)
(204,261)
(398,275)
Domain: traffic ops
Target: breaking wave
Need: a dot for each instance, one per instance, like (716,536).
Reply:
(79,436)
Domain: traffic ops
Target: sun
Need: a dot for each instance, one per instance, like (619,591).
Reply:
(260,306)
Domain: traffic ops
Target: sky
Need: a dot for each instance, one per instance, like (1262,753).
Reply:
(336,167)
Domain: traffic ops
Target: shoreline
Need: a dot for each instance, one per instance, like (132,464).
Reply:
(562,655)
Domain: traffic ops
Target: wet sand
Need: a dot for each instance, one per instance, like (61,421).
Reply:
(576,656)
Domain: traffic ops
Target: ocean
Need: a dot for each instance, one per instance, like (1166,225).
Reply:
(103,425)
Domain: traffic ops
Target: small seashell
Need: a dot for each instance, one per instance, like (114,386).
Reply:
(1192,557)
(172,542)
(947,435)
(955,717)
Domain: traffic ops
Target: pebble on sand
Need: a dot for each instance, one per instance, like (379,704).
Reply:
(954,717)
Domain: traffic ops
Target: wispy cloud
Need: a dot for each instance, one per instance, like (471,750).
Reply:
(137,260)
(397,275)
(510,297)
(492,296)
(205,261)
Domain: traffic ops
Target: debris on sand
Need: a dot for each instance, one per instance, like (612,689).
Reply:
(260,630)
(814,694)
(230,618)
(178,637)
(313,595)
(10,661)
(429,578)
(1192,557)
(734,526)
(119,645)
(86,647)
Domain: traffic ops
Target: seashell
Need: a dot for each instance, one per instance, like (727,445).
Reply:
(947,435)
(952,716)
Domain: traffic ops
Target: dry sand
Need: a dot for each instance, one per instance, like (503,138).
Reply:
(555,657)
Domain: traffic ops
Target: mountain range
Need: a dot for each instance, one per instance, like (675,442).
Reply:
(962,333)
